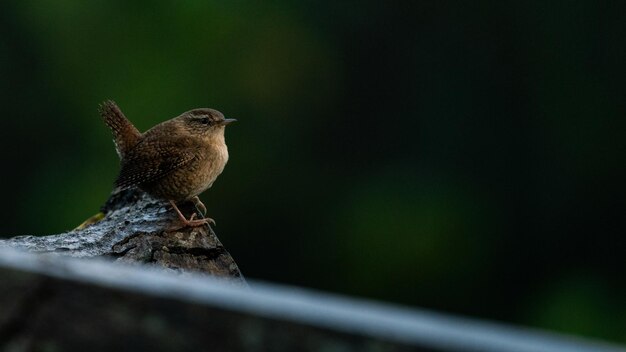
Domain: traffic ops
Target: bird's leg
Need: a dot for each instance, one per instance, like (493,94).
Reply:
(192,222)
(202,208)
(199,205)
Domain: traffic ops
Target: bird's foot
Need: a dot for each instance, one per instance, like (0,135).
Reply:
(205,220)
(192,221)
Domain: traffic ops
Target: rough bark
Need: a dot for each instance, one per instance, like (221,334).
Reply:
(137,228)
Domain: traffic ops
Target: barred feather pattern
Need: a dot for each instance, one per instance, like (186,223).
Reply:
(151,160)
(125,134)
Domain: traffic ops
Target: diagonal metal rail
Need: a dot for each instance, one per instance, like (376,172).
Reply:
(50,301)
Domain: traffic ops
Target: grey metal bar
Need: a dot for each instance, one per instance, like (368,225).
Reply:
(403,327)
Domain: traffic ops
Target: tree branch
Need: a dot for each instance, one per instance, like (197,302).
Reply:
(137,228)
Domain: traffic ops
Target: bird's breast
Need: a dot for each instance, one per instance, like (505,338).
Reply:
(192,178)
(213,162)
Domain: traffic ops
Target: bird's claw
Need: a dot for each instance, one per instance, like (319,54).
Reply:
(205,220)
(192,221)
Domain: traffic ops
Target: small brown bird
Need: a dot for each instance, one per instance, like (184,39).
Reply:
(175,160)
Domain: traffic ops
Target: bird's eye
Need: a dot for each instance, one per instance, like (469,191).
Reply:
(205,120)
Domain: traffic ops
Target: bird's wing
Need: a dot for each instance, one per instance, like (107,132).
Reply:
(150,161)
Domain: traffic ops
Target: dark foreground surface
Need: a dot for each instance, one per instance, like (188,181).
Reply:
(57,303)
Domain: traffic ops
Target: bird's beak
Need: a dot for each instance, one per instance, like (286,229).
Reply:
(227,121)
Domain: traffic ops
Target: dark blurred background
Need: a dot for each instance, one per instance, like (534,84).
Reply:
(466,157)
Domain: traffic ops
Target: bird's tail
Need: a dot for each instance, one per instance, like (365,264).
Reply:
(125,134)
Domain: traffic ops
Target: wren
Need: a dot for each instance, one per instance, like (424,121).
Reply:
(175,160)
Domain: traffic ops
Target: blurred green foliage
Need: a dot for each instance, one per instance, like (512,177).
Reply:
(461,156)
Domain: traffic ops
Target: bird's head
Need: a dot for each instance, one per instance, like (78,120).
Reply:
(204,122)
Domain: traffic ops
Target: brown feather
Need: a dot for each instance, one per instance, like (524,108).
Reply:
(125,134)
(150,160)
